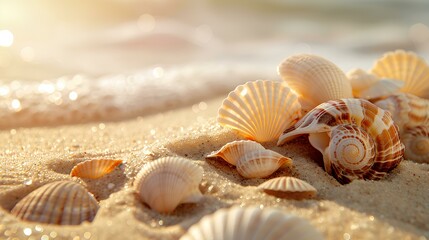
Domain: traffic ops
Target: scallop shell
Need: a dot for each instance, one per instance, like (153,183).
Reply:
(288,187)
(315,79)
(95,168)
(251,223)
(357,139)
(416,141)
(233,151)
(167,182)
(260,110)
(261,163)
(62,202)
(405,66)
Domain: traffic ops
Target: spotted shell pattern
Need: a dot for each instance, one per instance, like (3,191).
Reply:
(232,152)
(288,187)
(357,139)
(95,168)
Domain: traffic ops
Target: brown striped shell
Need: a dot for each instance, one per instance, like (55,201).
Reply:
(288,187)
(95,168)
(357,139)
(62,202)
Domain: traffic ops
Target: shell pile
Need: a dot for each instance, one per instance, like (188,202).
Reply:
(95,168)
(288,187)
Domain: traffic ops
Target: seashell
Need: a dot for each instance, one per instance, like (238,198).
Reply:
(416,141)
(261,163)
(233,151)
(288,187)
(95,168)
(260,110)
(407,67)
(315,79)
(61,202)
(251,223)
(167,182)
(357,139)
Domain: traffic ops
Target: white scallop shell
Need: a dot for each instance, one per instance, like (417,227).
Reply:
(315,79)
(233,151)
(167,182)
(260,110)
(407,67)
(95,168)
(416,141)
(251,223)
(261,163)
(288,187)
(62,202)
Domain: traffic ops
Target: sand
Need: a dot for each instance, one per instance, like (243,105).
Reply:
(396,207)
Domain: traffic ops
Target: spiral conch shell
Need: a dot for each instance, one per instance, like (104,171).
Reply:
(260,110)
(251,223)
(95,168)
(62,202)
(357,139)
(407,67)
(288,187)
(167,182)
(315,79)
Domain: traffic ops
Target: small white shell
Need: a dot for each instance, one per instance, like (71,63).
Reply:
(261,163)
(167,182)
(315,79)
(260,110)
(251,223)
(62,202)
(416,141)
(288,187)
(233,151)
(95,168)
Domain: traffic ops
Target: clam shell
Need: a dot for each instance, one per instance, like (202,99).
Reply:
(315,79)
(251,223)
(62,202)
(407,67)
(233,151)
(95,168)
(357,139)
(288,187)
(261,163)
(167,182)
(416,141)
(260,110)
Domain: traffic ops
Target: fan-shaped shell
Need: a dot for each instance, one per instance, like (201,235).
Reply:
(416,141)
(405,66)
(251,223)
(95,168)
(261,163)
(288,187)
(167,182)
(233,151)
(360,129)
(62,202)
(315,79)
(260,110)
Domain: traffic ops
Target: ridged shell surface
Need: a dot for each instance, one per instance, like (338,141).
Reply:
(95,168)
(233,151)
(315,79)
(405,66)
(251,223)
(357,139)
(167,182)
(62,202)
(416,141)
(288,187)
(261,163)
(260,110)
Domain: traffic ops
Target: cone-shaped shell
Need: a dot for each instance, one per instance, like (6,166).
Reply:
(261,163)
(95,168)
(405,66)
(366,136)
(416,141)
(315,79)
(288,187)
(251,223)
(260,110)
(62,202)
(233,151)
(167,182)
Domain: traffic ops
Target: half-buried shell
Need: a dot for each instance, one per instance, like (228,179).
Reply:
(233,151)
(288,187)
(261,163)
(95,168)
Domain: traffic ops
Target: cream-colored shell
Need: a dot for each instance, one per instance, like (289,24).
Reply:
(62,202)
(407,67)
(315,79)
(260,110)
(167,182)
(251,223)
(95,168)
(416,141)
(233,151)
(288,187)
(261,163)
